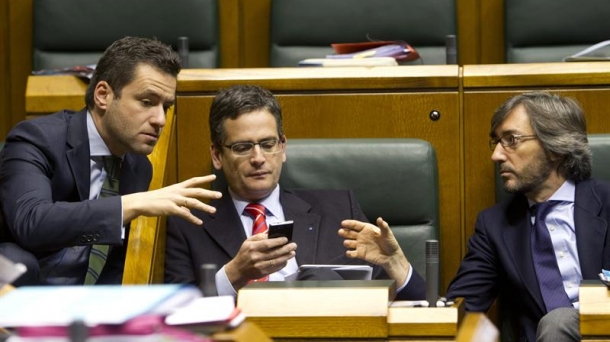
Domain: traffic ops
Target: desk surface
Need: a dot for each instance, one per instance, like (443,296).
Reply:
(347,78)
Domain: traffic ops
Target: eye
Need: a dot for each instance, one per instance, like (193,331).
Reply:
(146,103)
(268,144)
(241,147)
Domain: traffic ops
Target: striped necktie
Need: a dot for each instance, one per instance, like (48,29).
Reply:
(99,253)
(259,224)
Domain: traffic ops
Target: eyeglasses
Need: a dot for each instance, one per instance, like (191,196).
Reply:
(509,140)
(269,146)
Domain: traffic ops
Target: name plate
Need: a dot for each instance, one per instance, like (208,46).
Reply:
(321,309)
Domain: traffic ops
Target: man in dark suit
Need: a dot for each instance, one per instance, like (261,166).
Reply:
(539,142)
(248,145)
(52,170)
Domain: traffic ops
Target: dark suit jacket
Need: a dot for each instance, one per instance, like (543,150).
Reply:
(44,192)
(317,216)
(499,260)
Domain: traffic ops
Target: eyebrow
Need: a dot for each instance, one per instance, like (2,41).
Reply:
(503,133)
(156,96)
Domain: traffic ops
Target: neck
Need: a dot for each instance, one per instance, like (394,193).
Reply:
(547,189)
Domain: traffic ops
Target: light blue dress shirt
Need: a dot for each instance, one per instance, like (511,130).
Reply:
(560,222)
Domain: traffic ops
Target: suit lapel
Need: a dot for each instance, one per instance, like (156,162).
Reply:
(306,226)
(517,238)
(77,153)
(225,226)
(590,230)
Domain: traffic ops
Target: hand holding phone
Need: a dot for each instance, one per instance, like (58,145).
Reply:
(280,229)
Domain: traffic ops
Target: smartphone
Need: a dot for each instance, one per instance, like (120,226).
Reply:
(280,229)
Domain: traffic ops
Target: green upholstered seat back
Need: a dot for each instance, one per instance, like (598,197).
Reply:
(549,30)
(303,29)
(396,179)
(600,148)
(76,32)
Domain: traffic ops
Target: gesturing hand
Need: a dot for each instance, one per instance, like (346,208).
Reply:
(176,199)
(376,245)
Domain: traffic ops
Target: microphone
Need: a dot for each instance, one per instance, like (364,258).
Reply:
(451,49)
(207,280)
(183,51)
(432,272)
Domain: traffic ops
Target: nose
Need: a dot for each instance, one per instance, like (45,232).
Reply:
(257,157)
(498,154)
(159,116)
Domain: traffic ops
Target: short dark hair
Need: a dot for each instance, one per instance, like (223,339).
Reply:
(118,64)
(559,124)
(234,101)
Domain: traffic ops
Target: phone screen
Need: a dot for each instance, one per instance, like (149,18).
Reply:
(280,229)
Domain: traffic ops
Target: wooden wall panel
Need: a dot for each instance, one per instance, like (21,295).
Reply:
(5,92)
(229,32)
(491,31)
(255,19)
(18,56)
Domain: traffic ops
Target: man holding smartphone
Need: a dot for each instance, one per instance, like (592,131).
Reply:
(249,146)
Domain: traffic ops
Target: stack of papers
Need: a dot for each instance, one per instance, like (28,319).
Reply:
(207,315)
(93,305)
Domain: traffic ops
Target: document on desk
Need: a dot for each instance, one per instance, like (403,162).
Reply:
(9,271)
(100,304)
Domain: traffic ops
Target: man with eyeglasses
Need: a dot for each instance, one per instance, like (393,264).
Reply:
(533,250)
(249,146)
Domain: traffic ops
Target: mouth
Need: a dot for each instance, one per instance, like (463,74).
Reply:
(258,174)
(504,173)
(153,136)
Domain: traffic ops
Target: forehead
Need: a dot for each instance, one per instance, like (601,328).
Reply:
(150,79)
(252,126)
(516,122)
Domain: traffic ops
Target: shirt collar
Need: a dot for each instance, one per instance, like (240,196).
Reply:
(565,193)
(271,202)
(97,147)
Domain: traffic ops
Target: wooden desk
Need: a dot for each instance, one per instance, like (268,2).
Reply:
(594,312)
(486,87)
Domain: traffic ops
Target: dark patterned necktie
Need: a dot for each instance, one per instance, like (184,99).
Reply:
(99,253)
(545,262)
(259,224)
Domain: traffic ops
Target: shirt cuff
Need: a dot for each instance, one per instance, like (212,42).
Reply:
(407,280)
(223,285)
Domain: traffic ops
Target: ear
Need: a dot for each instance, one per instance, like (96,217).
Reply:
(285,140)
(216,158)
(102,95)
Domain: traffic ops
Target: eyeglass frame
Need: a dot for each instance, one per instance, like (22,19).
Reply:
(251,143)
(516,138)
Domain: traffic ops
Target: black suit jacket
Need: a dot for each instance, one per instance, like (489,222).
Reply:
(44,192)
(499,260)
(317,216)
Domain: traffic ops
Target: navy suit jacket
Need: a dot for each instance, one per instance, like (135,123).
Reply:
(499,260)
(317,216)
(44,195)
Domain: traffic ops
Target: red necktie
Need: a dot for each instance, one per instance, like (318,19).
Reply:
(259,224)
